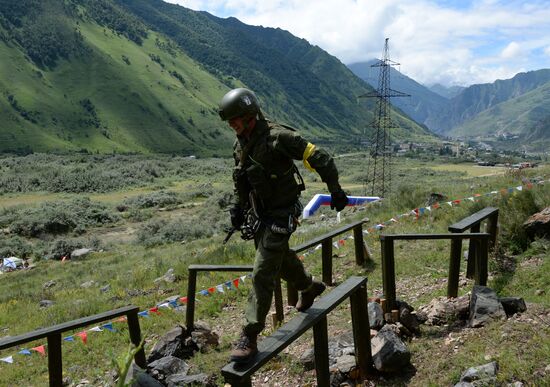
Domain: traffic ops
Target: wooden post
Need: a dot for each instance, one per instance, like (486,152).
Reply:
(320,341)
(279,314)
(482,259)
(55,363)
(135,338)
(190,309)
(291,294)
(359,247)
(492,227)
(472,256)
(361,330)
(327,261)
(454,268)
(388,271)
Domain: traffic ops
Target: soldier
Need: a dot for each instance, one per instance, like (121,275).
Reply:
(267,190)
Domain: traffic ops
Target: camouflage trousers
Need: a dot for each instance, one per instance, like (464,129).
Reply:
(273,258)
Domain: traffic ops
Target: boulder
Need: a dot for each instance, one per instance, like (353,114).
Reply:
(80,253)
(442,310)
(162,368)
(513,305)
(483,375)
(538,225)
(389,353)
(172,344)
(204,337)
(178,380)
(484,306)
(376,315)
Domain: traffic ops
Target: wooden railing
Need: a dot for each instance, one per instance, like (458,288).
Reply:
(354,288)
(473,223)
(292,294)
(388,261)
(53,335)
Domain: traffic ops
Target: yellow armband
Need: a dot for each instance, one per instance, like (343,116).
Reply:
(310,148)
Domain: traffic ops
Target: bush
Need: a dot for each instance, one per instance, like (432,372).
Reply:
(15,246)
(59,218)
(514,210)
(154,199)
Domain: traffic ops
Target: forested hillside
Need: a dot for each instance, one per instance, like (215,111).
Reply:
(146,76)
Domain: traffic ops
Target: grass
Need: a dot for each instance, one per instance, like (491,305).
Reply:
(130,269)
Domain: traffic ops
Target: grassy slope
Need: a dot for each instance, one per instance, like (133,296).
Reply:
(518,115)
(130,271)
(140,107)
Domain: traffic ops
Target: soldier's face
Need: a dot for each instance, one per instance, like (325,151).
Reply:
(237,124)
(242,125)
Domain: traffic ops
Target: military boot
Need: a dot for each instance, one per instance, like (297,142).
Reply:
(308,296)
(245,349)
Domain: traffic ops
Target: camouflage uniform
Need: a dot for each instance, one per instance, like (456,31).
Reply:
(264,165)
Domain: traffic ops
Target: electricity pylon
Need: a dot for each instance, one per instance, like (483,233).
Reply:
(378,182)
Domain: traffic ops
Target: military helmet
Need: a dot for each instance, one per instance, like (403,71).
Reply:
(238,102)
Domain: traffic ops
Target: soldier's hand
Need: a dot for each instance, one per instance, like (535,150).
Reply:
(338,200)
(237,217)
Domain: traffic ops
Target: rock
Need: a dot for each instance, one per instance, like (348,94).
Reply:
(538,225)
(376,315)
(49,284)
(138,377)
(46,303)
(204,337)
(539,292)
(484,306)
(87,284)
(162,368)
(389,353)
(172,344)
(442,310)
(337,345)
(513,305)
(187,380)
(345,363)
(308,359)
(409,320)
(169,277)
(105,289)
(80,253)
(481,375)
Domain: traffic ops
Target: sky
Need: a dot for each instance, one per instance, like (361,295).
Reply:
(450,42)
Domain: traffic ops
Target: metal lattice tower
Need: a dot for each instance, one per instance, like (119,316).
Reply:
(378,182)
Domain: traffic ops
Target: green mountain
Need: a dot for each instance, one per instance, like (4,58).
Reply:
(521,120)
(146,76)
(478,98)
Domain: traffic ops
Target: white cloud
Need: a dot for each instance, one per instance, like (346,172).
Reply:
(512,50)
(547,51)
(434,41)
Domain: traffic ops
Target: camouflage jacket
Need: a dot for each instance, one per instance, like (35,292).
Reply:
(264,164)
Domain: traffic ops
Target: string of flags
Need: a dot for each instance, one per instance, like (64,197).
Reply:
(420,211)
(83,335)
(234,284)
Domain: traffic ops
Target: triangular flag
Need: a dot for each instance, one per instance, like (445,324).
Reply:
(242,278)
(121,319)
(228,285)
(365,231)
(318,246)
(341,242)
(8,359)
(529,185)
(83,335)
(450,203)
(421,210)
(40,349)
(429,208)
(519,188)
(219,288)
(471,199)
(154,310)
(236,282)
(211,290)
(95,329)
(165,305)
(204,292)
(457,201)
(335,244)
(24,352)
(477,195)
(109,326)
(174,303)
(69,338)
(144,314)
(436,205)
(183,300)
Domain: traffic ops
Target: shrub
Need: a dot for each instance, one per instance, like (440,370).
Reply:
(154,199)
